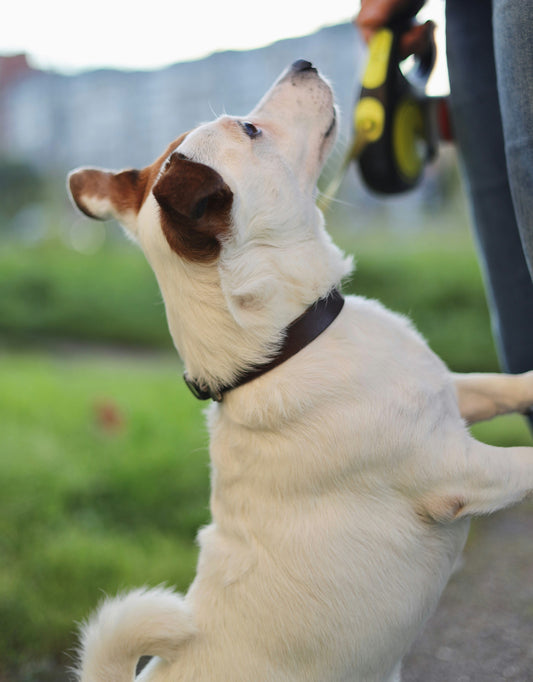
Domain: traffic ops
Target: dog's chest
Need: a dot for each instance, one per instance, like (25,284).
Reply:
(365,395)
(309,471)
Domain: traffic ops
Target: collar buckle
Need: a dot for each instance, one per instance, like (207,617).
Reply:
(200,390)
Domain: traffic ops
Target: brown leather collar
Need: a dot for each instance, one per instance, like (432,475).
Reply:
(299,334)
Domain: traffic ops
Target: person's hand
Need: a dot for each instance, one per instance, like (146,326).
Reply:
(376,14)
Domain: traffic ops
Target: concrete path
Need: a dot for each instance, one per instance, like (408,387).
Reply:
(483,628)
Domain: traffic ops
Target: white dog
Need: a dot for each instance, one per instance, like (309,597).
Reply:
(343,475)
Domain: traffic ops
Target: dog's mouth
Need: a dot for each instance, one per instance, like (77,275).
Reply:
(331,125)
(328,138)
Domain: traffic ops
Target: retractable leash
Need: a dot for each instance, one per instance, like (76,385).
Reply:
(396,125)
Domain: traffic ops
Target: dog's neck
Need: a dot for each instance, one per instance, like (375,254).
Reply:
(204,334)
(299,334)
(229,316)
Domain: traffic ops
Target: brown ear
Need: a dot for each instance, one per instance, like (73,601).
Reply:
(195,205)
(103,195)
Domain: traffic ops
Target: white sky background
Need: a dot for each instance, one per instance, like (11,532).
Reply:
(71,36)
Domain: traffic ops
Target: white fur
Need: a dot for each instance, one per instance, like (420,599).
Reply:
(155,620)
(343,480)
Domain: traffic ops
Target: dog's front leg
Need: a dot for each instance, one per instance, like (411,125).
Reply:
(478,480)
(484,396)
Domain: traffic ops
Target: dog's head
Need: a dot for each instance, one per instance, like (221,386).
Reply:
(230,206)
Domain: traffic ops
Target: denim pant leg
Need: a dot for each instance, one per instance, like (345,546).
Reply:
(478,129)
(513,51)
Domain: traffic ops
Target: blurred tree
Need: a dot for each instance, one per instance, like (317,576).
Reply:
(21,185)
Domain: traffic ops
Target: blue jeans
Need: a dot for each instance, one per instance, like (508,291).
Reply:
(490,61)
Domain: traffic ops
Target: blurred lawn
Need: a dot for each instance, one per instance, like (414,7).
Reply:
(103,484)
(52,292)
(433,277)
(104,466)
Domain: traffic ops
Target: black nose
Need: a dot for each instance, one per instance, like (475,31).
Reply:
(302,65)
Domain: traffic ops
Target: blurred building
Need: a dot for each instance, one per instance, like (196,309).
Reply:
(117,119)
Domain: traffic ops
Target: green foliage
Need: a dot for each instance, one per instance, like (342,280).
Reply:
(52,292)
(20,185)
(435,280)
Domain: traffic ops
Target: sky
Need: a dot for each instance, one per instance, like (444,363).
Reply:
(70,36)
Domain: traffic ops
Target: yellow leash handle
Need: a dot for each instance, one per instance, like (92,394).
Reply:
(369,113)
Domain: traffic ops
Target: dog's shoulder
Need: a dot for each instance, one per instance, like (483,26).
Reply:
(369,354)
(376,318)
(373,338)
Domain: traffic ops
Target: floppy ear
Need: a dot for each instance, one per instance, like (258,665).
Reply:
(195,207)
(103,194)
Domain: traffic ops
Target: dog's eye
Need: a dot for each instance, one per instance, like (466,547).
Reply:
(251,130)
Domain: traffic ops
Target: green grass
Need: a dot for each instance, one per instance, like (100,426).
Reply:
(434,279)
(51,292)
(103,484)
